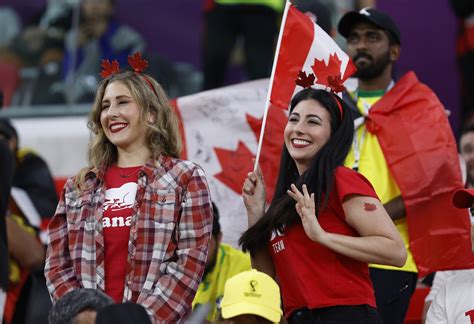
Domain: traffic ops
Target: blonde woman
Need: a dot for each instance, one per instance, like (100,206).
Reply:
(136,222)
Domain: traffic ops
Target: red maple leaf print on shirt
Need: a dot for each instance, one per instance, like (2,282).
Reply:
(236,164)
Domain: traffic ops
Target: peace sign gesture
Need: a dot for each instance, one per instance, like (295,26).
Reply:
(305,207)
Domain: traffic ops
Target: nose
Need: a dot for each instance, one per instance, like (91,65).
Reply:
(361,45)
(112,111)
(299,128)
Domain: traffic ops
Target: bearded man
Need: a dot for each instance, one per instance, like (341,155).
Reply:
(404,145)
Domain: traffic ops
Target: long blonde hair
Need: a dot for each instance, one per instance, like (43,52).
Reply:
(162,135)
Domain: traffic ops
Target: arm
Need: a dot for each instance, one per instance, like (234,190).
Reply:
(24,246)
(437,309)
(395,208)
(6,176)
(172,294)
(262,261)
(254,195)
(58,270)
(379,240)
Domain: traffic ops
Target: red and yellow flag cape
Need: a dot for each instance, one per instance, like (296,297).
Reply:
(419,147)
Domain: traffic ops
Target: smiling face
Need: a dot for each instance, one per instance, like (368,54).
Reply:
(120,118)
(307,130)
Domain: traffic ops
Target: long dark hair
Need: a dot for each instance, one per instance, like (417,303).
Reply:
(318,177)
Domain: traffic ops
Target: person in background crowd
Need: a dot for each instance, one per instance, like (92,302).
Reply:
(251,297)
(31,173)
(6,178)
(10,25)
(374,44)
(99,37)
(79,306)
(256,21)
(27,297)
(136,222)
(223,262)
(454,302)
(466,150)
(319,13)
(323,216)
(122,314)
(464,10)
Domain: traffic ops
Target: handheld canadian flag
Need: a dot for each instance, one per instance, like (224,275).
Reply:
(305,54)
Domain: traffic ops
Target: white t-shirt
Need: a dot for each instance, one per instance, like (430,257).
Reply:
(454,303)
(438,282)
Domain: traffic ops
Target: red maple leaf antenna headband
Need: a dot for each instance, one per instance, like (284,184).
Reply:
(327,75)
(136,62)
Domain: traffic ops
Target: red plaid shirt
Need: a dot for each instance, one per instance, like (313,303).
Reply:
(167,249)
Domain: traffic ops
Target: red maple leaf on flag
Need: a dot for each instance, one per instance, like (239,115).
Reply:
(137,62)
(324,72)
(237,164)
(304,80)
(109,68)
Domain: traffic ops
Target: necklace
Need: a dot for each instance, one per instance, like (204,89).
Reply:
(128,175)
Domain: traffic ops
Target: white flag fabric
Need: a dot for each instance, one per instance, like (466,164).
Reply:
(221,129)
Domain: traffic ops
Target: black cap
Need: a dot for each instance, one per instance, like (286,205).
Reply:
(376,17)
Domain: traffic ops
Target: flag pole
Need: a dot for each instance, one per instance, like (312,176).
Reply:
(267,102)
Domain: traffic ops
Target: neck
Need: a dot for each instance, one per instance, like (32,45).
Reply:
(380,82)
(129,158)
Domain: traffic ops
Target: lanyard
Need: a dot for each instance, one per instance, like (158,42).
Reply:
(358,122)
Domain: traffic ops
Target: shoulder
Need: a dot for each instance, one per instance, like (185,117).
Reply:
(350,182)
(125,37)
(178,172)
(237,258)
(182,167)
(344,174)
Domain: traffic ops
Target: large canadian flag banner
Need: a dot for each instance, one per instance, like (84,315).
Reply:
(220,131)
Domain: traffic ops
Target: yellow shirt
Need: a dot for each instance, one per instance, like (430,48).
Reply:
(276,5)
(373,166)
(229,262)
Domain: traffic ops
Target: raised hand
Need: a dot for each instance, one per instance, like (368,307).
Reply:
(254,195)
(305,207)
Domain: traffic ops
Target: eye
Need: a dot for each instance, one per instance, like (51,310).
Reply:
(373,37)
(293,119)
(314,121)
(352,39)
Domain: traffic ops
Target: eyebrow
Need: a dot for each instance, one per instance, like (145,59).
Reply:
(118,98)
(308,116)
(366,32)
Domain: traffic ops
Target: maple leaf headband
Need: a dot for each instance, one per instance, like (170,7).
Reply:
(136,62)
(327,75)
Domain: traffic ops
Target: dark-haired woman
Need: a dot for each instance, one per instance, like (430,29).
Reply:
(325,223)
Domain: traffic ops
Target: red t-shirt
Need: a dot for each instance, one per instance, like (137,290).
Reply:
(314,276)
(121,184)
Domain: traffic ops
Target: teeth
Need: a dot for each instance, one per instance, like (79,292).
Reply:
(300,142)
(118,126)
